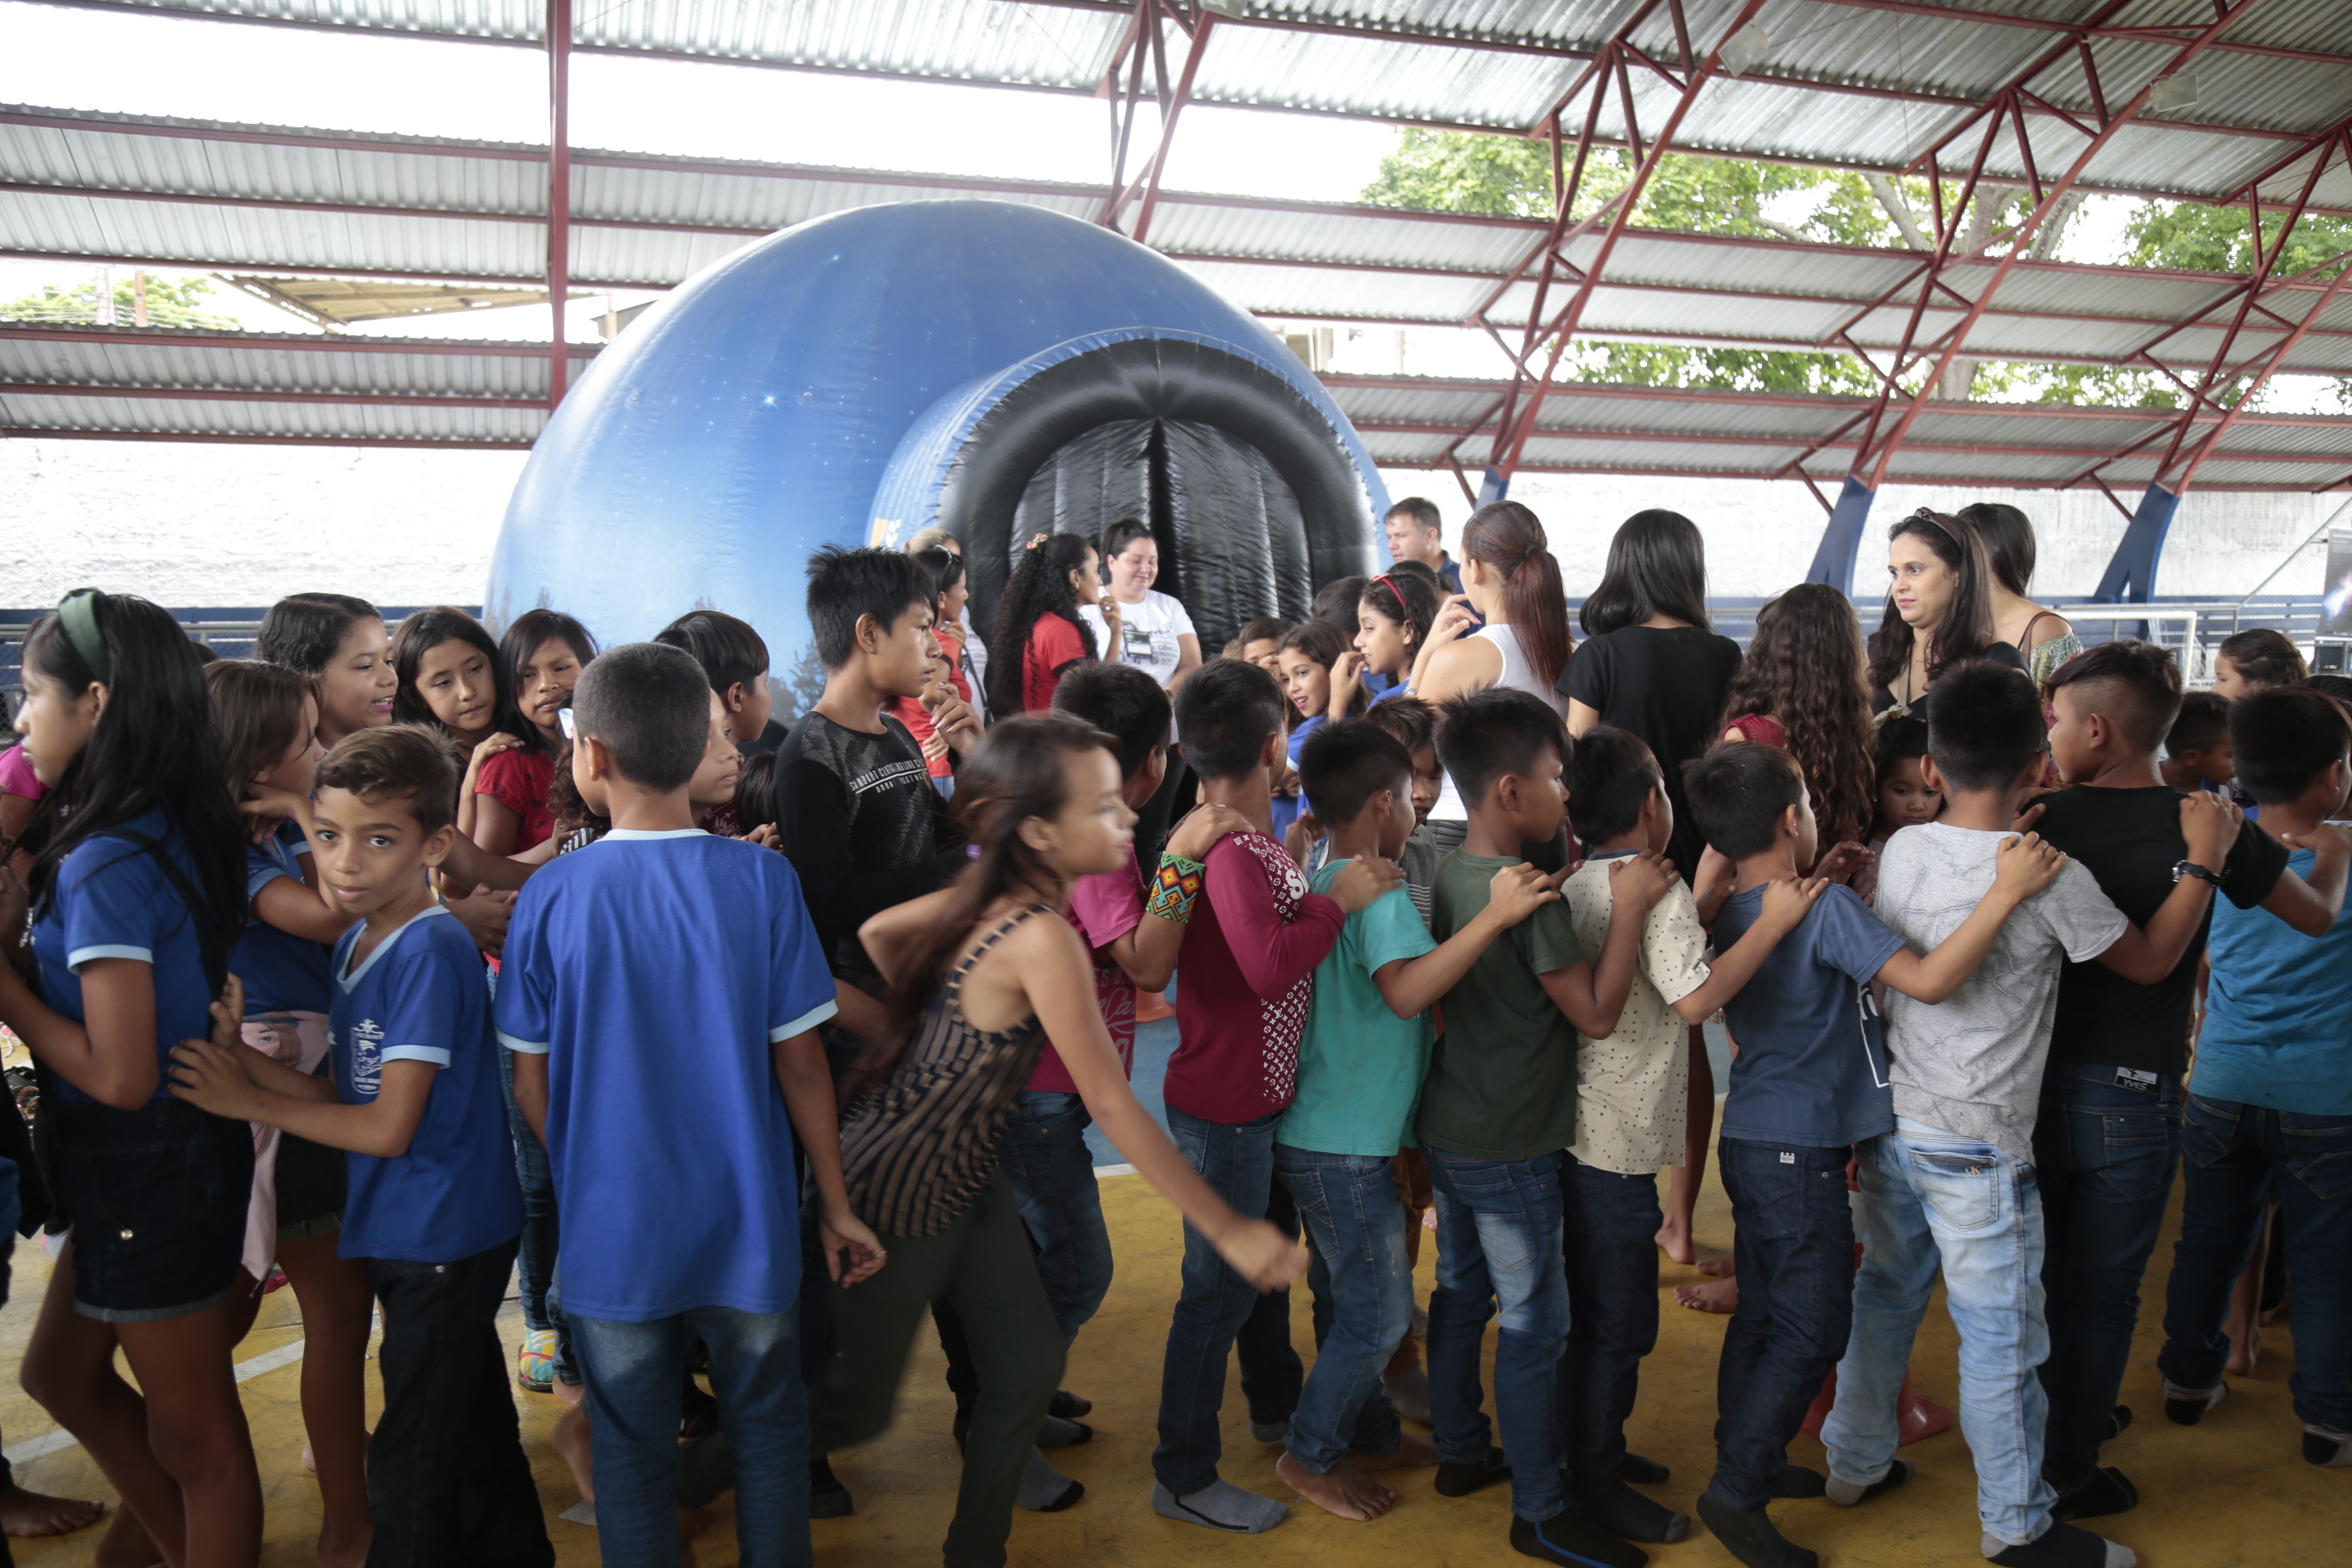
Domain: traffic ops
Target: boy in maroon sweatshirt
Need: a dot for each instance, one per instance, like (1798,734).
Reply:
(1255,934)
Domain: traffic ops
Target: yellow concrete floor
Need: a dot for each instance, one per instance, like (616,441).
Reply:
(2234,1490)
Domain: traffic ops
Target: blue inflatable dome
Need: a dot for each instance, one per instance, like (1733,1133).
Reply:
(994,368)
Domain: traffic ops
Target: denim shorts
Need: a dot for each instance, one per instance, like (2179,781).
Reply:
(157,1198)
(312,1179)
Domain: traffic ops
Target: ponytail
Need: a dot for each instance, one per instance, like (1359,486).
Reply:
(1509,538)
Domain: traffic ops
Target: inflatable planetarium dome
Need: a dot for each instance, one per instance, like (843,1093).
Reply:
(997,369)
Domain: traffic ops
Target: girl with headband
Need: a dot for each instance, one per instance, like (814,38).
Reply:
(1939,601)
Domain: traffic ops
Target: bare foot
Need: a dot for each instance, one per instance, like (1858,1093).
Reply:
(310,1459)
(25,1514)
(1414,1452)
(126,1544)
(1674,1239)
(570,1440)
(571,1393)
(2245,1348)
(1715,1296)
(1715,1268)
(1343,1490)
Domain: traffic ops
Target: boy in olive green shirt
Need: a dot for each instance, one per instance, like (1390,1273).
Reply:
(1499,1108)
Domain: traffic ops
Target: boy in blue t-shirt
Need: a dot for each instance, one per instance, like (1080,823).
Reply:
(2270,1105)
(1808,1082)
(432,1206)
(1362,1060)
(661,991)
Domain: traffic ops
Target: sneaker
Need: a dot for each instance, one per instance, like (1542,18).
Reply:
(535,1362)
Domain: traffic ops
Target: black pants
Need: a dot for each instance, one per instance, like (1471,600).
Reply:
(448,1481)
(1609,1245)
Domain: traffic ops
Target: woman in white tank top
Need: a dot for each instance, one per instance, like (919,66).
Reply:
(1510,579)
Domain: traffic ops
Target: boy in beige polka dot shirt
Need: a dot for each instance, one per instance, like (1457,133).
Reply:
(1629,1091)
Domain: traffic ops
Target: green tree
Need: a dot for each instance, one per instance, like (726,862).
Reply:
(169,303)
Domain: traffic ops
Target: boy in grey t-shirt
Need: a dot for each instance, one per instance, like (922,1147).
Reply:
(1952,1184)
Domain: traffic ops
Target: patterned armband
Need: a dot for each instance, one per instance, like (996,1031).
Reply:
(1174,887)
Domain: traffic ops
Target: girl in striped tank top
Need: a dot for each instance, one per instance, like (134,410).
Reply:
(981,981)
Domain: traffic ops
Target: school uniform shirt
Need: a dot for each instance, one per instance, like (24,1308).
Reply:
(1147,634)
(1811,1068)
(1361,1067)
(1630,1087)
(1971,1064)
(112,899)
(863,829)
(655,969)
(282,972)
(1286,808)
(1257,932)
(2129,840)
(1103,908)
(2278,1014)
(520,780)
(1502,1079)
(421,995)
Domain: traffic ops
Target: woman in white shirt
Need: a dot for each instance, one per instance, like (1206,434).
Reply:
(1154,633)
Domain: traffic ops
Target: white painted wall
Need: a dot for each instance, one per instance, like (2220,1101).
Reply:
(199,525)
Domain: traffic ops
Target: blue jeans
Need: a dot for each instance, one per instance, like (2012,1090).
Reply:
(1046,1157)
(2105,1152)
(1356,1225)
(1499,1255)
(2237,1156)
(1217,1310)
(1608,1230)
(535,1264)
(1931,1196)
(635,1372)
(1793,1251)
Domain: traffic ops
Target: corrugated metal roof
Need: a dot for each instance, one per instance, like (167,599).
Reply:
(1505,64)
(111,187)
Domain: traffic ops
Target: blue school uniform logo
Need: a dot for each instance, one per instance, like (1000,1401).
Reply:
(367,1057)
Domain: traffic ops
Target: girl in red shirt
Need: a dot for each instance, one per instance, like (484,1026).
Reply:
(1038,616)
(544,652)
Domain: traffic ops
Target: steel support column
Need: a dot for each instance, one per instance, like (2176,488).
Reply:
(558,190)
(1841,546)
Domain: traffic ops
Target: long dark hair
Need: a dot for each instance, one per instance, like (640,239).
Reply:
(1509,538)
(256,715)
(1014,774)
(1657,567)
(522,639)
(425,630)
(1406,597)
(1040,586)
(1804,669)
(1966,630)
(2007,535)
(154,746)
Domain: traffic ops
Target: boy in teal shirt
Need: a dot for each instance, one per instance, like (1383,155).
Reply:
(1362,1060)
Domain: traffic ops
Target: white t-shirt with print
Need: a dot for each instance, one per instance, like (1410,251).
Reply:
(1148,634)
(1632,1087)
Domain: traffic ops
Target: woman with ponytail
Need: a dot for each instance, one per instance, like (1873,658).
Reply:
(1510,581)
(137,896)
(979,984)
(1039,632)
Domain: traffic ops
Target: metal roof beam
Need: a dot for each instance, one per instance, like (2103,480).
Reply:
(558,190)
(261,394)
(2165,33)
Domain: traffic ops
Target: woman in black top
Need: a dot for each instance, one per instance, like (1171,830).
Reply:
(1938,609)
(1651,662)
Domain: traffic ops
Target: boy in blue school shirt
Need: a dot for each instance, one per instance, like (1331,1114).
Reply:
(432,1206)
(1809,1082)
(661,989)
(2270,1103)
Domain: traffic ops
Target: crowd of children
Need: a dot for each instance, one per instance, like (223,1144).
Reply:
(408,961)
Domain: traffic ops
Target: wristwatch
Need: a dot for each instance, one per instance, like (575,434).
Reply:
(2192,868)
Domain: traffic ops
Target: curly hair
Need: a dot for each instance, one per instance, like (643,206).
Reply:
(1040,586)
(1804,639)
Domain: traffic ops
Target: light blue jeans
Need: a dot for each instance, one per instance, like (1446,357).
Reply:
(1356,1225)
(1932,1197)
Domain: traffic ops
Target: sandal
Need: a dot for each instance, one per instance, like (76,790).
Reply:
(535,1362)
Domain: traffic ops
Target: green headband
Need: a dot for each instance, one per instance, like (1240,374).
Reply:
(78,614)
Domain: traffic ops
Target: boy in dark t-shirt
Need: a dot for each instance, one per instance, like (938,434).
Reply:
(2118,1051)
